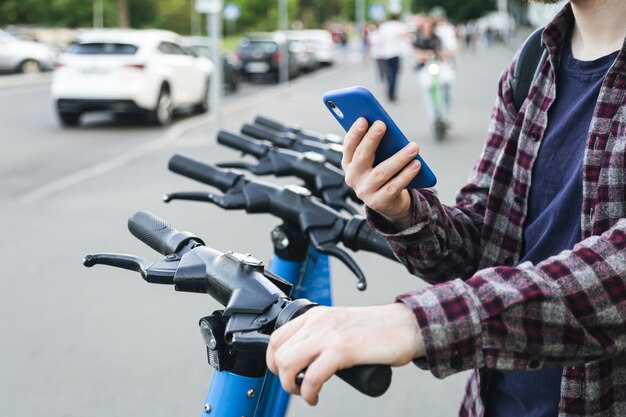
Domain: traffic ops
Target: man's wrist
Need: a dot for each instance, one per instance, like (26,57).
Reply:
(402,219)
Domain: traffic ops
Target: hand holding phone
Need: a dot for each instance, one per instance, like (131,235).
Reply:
(348,104)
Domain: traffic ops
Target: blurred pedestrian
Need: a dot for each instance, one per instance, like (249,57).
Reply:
(375,49)
(446,32)
(434,73)
(393,38)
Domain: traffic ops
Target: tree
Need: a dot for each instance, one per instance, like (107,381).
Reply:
(123,18)
(457,10)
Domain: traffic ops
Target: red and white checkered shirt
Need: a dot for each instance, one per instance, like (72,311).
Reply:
(486,311)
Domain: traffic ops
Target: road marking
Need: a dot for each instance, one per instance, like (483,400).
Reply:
(172,134)
(16,81)
(23,90)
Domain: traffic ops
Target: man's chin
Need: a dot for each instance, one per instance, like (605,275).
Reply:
(546,1)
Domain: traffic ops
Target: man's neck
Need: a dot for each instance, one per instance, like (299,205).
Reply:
(600,28)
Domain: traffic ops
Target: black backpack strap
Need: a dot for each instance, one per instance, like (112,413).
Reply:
(527,67)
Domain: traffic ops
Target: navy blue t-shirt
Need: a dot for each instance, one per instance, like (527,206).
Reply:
(553,220)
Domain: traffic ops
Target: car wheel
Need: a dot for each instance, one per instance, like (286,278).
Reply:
(235,82)
(69,118)
(203,105)
(162,114)
(30,66)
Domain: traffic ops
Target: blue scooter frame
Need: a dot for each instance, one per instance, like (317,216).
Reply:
(232,395)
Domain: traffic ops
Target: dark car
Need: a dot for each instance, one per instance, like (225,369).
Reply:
(231,64)
(262,54)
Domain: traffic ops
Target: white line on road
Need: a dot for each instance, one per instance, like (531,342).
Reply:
(172,134)
(22,90)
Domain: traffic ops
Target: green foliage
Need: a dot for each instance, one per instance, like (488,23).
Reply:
(457,10)
(256,15)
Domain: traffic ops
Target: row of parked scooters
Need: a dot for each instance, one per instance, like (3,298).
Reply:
(315,218)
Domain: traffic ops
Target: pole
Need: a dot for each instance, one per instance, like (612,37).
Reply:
(195,21)
(282,25)
(360,18)
(214,30)
(98,14)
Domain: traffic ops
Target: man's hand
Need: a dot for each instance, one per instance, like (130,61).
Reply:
(381,188)
(327,339)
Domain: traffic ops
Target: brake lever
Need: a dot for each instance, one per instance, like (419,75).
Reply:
(331,249)
(129,262)
(234,201)
(153,272)
(331,198)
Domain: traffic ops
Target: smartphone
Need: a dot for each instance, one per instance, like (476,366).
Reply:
(348,104)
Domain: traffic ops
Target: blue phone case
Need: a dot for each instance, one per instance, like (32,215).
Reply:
(355,102)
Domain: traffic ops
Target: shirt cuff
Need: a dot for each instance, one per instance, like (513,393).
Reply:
(419,212)
(448,318)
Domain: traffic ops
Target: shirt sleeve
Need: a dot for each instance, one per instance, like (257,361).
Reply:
(567,310)
(445,241)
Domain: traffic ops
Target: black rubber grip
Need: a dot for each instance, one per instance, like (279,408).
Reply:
(245,145)
(370,241)
(264,134)
(157,233)
(273,124)
(372,380)
(223,180)
(311,137)
(358,235)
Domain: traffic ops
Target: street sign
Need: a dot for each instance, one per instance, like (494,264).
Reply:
(231,11)
(395,6)
(377,12)
(209,6)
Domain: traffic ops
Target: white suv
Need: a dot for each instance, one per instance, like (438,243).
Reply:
(129,71)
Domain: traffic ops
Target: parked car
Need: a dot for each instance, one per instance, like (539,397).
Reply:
(24,56)
(323,45)
(262,54)
(303,50)
(231,64)
(129,71)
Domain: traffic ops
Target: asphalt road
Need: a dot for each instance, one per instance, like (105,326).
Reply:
(102,342)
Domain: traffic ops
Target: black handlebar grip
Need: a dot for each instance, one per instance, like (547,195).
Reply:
(358,235)
(222,180)
(368,240)
(372,380)
(157,233)
(273,124)
(262,133)
(245,145)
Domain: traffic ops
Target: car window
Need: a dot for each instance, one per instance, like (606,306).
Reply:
(171,48)
(202,50)
(266,46)
(102,48)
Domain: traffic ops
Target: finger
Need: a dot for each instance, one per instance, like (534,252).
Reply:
(400,181)
(364,154)
(278,338)
(352,139)
(389,168)
(319,371)
(292,359)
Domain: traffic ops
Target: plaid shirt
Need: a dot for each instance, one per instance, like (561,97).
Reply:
(568,311)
